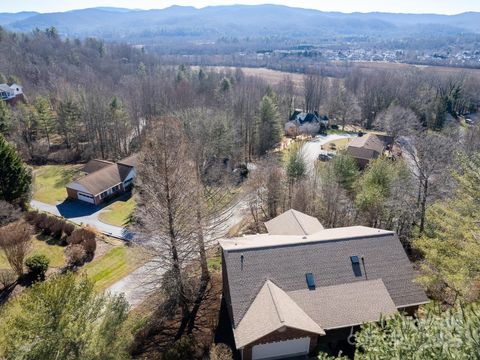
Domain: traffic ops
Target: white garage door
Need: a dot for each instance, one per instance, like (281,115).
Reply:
(281,349)
(85,197)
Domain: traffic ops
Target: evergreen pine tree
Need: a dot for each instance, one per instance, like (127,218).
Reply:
(5,118)
(269,129)
(15,177)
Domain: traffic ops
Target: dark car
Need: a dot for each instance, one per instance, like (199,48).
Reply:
(324,157)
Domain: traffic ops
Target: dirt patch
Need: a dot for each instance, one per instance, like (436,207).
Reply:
(158,334)
(102,248)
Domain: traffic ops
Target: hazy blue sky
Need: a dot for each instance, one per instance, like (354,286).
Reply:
(406,6)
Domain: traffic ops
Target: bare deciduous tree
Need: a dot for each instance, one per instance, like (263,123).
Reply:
(429,155)
(165,214)
(398,121)
(15,241)
(314,91)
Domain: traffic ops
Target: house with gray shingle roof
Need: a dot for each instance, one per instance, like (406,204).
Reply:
(301,285)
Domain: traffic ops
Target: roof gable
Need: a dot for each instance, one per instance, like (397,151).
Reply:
(293,222)
(368,146)
(95,165)
(344,305)
(271,310)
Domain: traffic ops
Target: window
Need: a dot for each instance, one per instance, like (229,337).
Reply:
(310,281)
(354,260)
(103,195)
(115,188)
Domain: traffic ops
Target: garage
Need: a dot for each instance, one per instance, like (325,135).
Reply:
(85,197)
(281,349)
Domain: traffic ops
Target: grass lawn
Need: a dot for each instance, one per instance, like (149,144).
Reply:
(114,265)
(118,212)
(215,263)
(45,247)
(340,144)
(50,182)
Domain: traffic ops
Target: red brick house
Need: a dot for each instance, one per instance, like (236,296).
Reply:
(104,180)
(301,285)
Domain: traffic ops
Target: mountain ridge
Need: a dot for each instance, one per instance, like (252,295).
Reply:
(243,21)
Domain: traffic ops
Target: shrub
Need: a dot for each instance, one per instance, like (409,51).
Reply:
(37,266)
(220,352)
(181,349)
(7,277)
(48,223)
(68,228)
(31,217)
(86,237)
(76,237)
(56,227)
(90,245)
(75,255)
(40,221)
(9,213)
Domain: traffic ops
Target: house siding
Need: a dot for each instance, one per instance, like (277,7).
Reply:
(288,334)
(72,193)
(226,291)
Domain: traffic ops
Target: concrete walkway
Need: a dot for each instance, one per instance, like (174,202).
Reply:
(83,214)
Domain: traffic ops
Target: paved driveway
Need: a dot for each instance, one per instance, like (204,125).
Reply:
(82,214)
(142,282)
(313,148)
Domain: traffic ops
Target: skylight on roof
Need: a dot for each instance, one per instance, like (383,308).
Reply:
(310,281)
(357,270)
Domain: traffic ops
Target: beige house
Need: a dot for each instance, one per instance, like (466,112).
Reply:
(301,285)
(366,148)
(104,180)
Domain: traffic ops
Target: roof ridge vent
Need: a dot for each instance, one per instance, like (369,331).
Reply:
(275,303)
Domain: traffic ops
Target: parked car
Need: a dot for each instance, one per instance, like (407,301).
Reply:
(469,121)
(325,157)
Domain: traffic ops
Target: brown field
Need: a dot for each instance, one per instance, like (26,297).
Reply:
(274,77)
(444,70)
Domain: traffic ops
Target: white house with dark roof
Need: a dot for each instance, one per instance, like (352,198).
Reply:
(10,93)
(302,285)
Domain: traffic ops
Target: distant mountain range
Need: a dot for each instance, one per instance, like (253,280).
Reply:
(238,21)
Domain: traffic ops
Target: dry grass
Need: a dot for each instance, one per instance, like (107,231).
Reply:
(50,181)
(42,245)
(118,212)
(339,144)
(443,70)
(114,265)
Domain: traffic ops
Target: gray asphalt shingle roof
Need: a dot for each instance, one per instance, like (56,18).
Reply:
(329,262)
(343,305)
